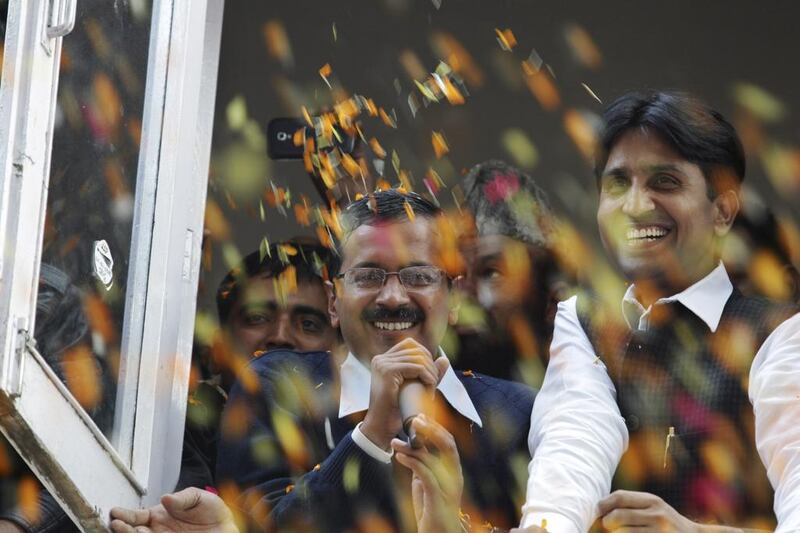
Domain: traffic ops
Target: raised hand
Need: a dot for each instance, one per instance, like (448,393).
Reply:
(190,510)
(437,481)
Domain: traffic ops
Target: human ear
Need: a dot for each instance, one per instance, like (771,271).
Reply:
(330,290)
(454,300)
(726,207)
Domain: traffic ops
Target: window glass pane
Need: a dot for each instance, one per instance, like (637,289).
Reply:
(90,206)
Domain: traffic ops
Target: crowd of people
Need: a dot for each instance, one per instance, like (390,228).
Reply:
(379,385)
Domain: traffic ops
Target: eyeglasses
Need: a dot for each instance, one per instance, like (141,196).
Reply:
(412,278)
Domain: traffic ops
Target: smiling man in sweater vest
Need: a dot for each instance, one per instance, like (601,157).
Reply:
(696,380)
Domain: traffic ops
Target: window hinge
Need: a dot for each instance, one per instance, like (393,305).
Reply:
(29,341)
(24,341)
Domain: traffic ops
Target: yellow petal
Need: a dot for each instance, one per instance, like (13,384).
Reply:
(409,211)
(277,42)
(506,39)
(439,145)
(377,149)
(583,47)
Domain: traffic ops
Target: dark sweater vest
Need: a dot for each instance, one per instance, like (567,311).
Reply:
(682,390)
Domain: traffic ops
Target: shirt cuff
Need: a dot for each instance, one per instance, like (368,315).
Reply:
(369,447)
(553,522)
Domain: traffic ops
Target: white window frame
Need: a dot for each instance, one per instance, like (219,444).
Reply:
(53,434)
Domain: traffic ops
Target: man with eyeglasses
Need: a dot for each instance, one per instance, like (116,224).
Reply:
(311,444)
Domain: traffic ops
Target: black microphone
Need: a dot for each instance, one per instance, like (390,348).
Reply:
(411,400)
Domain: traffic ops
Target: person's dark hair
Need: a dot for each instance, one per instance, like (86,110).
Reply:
(506,201)
(389,205)
(697,132)
(312,263)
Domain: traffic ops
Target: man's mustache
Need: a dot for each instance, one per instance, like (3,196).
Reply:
(398,314)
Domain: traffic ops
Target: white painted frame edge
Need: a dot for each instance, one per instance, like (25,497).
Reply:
(177,238)
(141,242)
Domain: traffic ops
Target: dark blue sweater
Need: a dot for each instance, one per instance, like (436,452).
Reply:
(295,460)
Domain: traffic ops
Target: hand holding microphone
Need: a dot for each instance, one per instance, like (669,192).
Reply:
(401,378)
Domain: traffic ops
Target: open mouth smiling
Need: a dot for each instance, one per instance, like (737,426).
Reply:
(390,320)
(644,235)
(394,326)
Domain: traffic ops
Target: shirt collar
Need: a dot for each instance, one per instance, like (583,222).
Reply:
(706,299)
(356,380)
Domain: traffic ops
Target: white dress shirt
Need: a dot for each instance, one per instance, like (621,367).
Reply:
(578,436)
(354,397)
